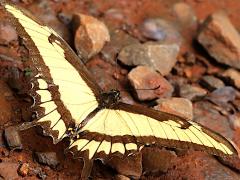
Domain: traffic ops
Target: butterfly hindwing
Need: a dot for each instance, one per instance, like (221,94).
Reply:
(61,88)
(128,127)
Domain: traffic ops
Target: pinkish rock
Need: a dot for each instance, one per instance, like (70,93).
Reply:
(197,165)
(7,34)
(130,166)
(149,84)
(161,57)
(235,121)
(222,41)
(156,160)
(184,13)
(121,177)
(179,106)
(234,76)
(8,170)
(90,35)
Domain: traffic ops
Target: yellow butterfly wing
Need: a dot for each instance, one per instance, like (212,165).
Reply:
(127,128)
(60,83)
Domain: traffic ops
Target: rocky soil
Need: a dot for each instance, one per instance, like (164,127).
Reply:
(181,57)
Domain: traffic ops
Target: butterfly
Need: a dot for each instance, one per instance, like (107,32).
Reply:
(68,103)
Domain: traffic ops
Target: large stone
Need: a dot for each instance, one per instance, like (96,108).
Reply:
(90,35)
(157,160)
(130,165)
(8,170)
(149,84)
(179,106)
(222,41)
(161,57)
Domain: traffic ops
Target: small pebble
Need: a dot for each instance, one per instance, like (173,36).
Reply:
(47,158)
(160,30)
(161,57)
(192,92)
(7,34)
(23,170)
(185,14)
(90,35)
(235,121)
(234,76)
(149,84)
(12,138)
(211,82)
(179,106)
(121,177)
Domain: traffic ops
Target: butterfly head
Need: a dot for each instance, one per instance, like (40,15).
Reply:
(109,99)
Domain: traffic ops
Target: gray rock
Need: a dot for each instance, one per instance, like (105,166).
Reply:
(179,106)
(160,30)
(222,95)
(90,35)
(192,92)
(222,41)
(211,82)
(234,77)
(119,39)
(12,138)
(47,158)
(149,84)
(161,57)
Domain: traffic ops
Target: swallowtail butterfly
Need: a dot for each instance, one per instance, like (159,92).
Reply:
(69,103)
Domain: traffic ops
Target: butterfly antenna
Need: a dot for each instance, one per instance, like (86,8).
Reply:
(133,90)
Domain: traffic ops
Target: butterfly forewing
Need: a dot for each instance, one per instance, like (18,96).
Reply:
(62,92)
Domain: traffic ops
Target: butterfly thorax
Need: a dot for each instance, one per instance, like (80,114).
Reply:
(108,99)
